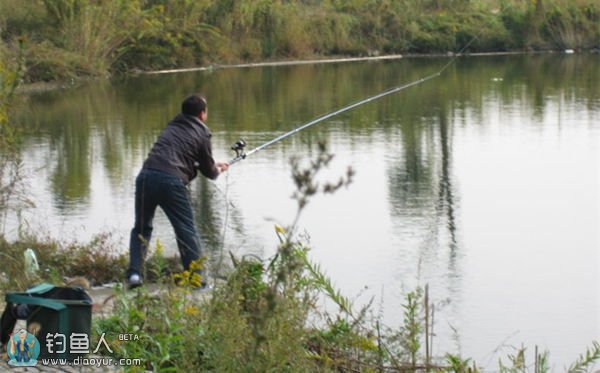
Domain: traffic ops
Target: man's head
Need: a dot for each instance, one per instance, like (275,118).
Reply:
(195,105)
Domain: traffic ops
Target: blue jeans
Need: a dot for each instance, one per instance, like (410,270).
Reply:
(156,188)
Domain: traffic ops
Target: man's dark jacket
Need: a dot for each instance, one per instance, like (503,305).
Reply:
(182,148)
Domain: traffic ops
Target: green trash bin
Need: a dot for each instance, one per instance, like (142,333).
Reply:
(62,317)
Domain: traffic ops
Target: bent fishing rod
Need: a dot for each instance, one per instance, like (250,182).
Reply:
(239,146)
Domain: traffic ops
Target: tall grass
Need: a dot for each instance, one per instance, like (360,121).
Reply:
(98,261)
(571,24)
(72,38)
(553,24)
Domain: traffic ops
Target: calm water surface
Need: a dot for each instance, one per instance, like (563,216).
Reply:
(483,183)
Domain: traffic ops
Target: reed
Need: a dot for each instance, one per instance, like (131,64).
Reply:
(68,39)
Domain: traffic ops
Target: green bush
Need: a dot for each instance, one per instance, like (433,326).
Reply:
(570,25)
(70,38)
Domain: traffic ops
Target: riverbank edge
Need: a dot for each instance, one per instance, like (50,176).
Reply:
(344,59)
(40,86)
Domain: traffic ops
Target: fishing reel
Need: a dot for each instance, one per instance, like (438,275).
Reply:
(238,148)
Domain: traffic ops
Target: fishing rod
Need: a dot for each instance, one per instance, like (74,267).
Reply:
(239,146)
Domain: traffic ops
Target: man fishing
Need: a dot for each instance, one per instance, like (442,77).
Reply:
(183,148)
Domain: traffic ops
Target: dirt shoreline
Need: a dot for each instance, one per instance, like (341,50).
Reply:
(36,87)
(215,66)
(342,59)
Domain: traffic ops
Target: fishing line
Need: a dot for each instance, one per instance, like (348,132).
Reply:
(239,146)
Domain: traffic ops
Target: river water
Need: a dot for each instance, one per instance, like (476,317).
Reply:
(483,183)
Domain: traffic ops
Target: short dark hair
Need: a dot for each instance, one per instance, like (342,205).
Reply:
(193,105)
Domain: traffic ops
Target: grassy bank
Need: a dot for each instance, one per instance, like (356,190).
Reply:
(69,39)
(266,316)
(100,261)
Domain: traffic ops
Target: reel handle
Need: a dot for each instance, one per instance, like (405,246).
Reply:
(238,148)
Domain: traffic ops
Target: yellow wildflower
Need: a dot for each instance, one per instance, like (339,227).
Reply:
(191,310)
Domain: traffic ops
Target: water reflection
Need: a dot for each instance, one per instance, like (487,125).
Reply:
(69,145)
(446,200)
(125,116)
(422,194)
